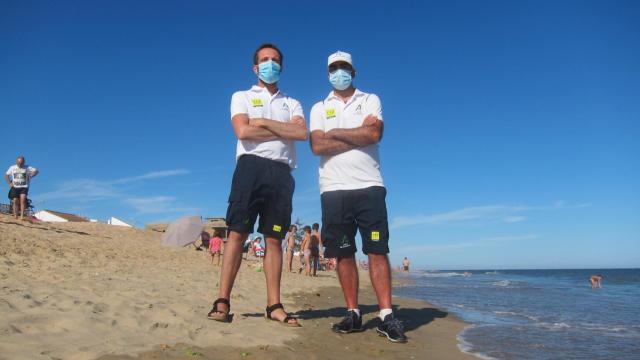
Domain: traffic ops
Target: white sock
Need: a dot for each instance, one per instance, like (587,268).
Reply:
(357,311)
(384,313)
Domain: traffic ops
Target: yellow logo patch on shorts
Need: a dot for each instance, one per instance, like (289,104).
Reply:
(330,113)
(277,228)
(256,102)
(375,235)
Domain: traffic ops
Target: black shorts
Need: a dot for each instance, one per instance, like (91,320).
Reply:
(261,187)
(15,192)
(346,211)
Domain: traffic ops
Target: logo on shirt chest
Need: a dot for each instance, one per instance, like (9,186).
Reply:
(330,113)
(285,107)
(359,110)
(256,102)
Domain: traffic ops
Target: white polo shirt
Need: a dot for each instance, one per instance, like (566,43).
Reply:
(20,176)
(354,169)
(257,102)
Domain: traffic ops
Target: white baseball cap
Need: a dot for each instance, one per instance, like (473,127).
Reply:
(339,56)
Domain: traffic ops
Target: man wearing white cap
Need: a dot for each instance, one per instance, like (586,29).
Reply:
(345,130)
(266,123)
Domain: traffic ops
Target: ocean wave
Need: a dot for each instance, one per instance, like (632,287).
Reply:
(610,328)
(502,283)
(446,274)
(555,326)
(515,314)
(467,348)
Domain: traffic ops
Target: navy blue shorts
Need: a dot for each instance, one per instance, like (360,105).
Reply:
(15,192)
(261,187)
(344,212)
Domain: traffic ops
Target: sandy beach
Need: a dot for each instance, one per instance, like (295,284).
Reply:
(95,291)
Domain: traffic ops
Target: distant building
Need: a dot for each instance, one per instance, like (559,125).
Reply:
(209,225)
(213,223)
(56,216)
(118,222)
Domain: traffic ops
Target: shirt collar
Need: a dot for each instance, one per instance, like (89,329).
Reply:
(356,94)
(260,89)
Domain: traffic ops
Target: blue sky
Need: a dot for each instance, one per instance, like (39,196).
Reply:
(511,128)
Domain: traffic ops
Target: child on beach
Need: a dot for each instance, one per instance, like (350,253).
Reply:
(258,250)
(215,245)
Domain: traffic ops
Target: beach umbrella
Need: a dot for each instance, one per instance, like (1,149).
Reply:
(183,231)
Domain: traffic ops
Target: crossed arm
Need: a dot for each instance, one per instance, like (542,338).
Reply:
(261,129)
(337,141)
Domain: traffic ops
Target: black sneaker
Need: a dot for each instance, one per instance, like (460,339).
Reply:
(351,323)
(391,328)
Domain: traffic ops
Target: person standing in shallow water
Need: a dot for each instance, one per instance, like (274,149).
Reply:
(266,123)
(405,264)
(346,128)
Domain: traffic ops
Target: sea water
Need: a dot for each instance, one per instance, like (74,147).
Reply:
(538,314)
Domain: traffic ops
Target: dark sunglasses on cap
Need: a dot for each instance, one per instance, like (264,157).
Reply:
(340,65)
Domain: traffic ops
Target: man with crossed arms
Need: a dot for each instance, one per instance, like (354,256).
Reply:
(266,123)
(345,130)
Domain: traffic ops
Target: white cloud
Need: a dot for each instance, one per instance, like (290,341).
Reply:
(500,213)
(511,238)
(488,213)
(81,193)
(437,248)
(82,190)
(158,205)
(152,175)
(85,190)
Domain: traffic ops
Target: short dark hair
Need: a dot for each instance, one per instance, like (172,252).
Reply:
(316,226)
(267,46)
(307,229)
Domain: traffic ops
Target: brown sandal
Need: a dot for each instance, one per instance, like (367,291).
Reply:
(219,315)
(284,321)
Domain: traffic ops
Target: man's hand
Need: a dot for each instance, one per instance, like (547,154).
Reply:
(294,129)
(370,120)
(298,121)
(256,122)
(370,132)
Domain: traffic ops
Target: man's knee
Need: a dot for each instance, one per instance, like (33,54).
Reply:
(346,257)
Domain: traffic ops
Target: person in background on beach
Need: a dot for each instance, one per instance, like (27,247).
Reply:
(258,250)
(18,177)
(346,128)
(405,264)
(305,249)
(267,123)
(291,243)
(247,248)
(314,246)
(317,240)
(596,281)
(215,246)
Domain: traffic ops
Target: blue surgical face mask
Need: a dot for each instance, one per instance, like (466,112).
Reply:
(269,72)
(340,79)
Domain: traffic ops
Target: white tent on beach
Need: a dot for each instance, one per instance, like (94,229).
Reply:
(118,222)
